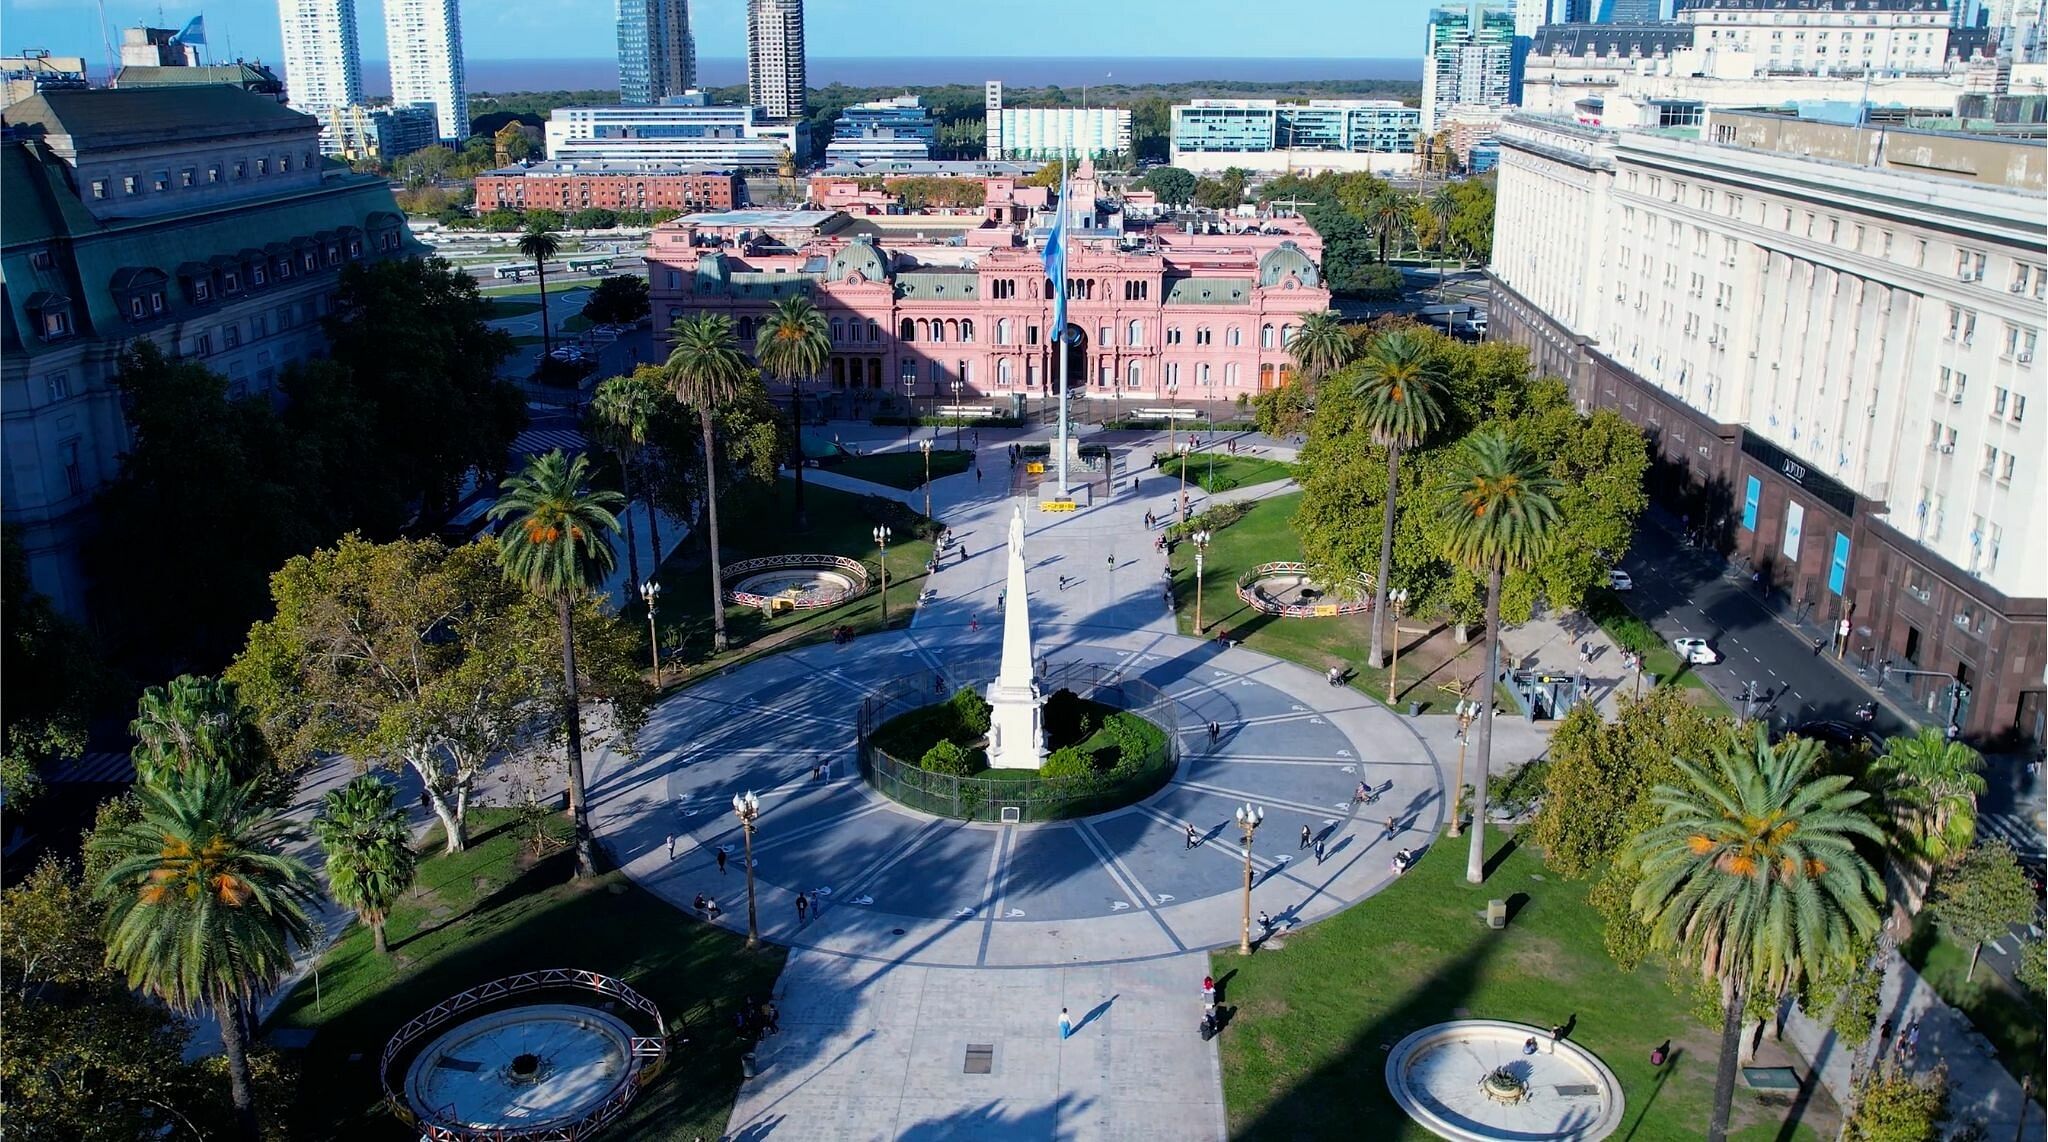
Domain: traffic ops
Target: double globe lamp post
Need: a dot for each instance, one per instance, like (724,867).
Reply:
(747,808)
(1467,710)
(649,592)
(882,541)
(925,446)
(1249,818)
(1201,541)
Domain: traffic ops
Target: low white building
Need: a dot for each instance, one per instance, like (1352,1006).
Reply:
(1832,335)
(1048,132)
(685,130)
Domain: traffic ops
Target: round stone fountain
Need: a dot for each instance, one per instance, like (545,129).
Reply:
(794,582)
(1477,1080)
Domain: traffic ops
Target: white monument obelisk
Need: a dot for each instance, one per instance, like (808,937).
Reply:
(1016,733)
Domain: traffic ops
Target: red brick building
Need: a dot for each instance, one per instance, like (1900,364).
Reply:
(570,186)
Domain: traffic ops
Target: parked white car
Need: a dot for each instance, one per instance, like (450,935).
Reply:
(1620,581)
(1697,651)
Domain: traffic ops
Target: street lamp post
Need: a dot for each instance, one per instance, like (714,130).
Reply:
(882,541)
(1467,710)
(1201,540)
(910,405)
(650,591)
(957,418)
(1172,410)
(925,446)
(1182,450)
(1249,818)
(747,808)
(1397,599)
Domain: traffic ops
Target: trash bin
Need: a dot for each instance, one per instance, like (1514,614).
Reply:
(1414,708)
(748,1068)
(1650,681)
(1496,915)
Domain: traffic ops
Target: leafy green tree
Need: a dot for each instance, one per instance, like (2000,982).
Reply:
(49,932)
(1596,789)
(706,371)
(545,220)
(1472,224)
(370,859)
(949,758)
(51,674)
(203,906)
(1174,186)
(501,220)
(620,299)
(617,420)
(540,244)
(594,218)
(1753,877)
(1847,994)
(192,723)
(406,654)
(1982,896)
(1930,789)
(1499,511)
(1388,216)
(1283,410)
(1400,388)
(793,347)
(1895,1106)
(2032,965)
(1321,346)
(559,547)
(413,336)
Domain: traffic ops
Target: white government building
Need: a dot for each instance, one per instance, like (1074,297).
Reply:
(1832,334)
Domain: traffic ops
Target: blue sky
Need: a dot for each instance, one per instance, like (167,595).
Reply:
(511,29)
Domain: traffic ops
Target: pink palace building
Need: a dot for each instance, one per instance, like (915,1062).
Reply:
(955,306)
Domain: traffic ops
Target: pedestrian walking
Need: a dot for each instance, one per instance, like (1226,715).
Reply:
(1265,924)
(1209,990)
(1063,582)
(1319,850)
(814,902)
(1913,1040)
(1066,1024)
(973,622)
(721,860)
(1306,836)
(1390,828)
(1193,839)
(977,474)
(803,910)
(671,846)
(1112,561)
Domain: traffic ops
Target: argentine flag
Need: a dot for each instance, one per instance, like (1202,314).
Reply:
(1056,265)
(194,33)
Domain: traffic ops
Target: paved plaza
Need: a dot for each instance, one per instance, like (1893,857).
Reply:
(935,935)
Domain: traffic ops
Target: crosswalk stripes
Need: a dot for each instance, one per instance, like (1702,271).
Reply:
(2017,831)
(540,441)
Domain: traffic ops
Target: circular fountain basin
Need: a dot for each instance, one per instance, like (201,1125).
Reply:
(794,583)
(1471,1081)
(521,1069)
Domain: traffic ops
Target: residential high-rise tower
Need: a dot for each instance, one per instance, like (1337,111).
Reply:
(424,38)
(657,53)
(1467,60)
(775,57)
(323,59)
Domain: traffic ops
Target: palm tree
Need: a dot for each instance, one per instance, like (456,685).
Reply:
(1321,346)
(1500,514)
(370,859)
(1930,788)
(1442,205)
(541,244)
(1400,387)
(559,547)
(195,722)
(706,370)
(203,906)
(793,347)
(1753,876)
(1388,218)
(620,410)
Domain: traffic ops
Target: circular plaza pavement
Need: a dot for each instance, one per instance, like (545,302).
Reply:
(899,886)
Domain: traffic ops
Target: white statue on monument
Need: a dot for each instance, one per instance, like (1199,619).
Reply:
(1016,735)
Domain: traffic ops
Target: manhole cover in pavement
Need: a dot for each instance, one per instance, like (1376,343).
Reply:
(981,1059)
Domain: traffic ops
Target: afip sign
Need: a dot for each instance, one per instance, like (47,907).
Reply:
(1055,505)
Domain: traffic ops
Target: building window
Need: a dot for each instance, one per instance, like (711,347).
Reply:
(56,323)
(1003,373)
(967,330)
(57,386)
(1031,334)
(241,169)
(231,334)
(160,181)
(1173,335)
(874,332)
(1202,335)
(1234,336)
(99,188)
(1230,375)
(1135,333)
(2006,467)
(262,167)
(2019,408)
(1990,461)
(838,330)
(128,184)
(908,331)
(938,332)
(1265,336)
(185,178)
(202,344)
(74,472)
(1134,374)
(1002,329)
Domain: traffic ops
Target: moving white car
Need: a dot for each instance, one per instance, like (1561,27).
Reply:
(1697,651)
(1620,581)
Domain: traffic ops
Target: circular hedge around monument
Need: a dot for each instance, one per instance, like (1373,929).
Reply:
(935,758)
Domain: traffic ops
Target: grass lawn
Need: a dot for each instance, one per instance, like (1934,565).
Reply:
(2006,1014)
(502,308)
(1222,472)
(1266,535)
(905,469)
(1304,1052)
(492,911)
(758,520)
(1610,609)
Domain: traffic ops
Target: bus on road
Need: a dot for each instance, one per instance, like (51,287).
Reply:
(514,271)
(601,265)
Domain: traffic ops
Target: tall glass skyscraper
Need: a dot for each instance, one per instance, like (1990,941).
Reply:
(424,38)
(657,53)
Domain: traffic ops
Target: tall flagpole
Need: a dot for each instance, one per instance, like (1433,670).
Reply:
(1060,335)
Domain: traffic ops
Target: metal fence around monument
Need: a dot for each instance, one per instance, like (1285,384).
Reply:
(1034,798)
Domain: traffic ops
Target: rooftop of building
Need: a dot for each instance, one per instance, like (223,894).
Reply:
(1611,39)
(240,73)
(1313,104)
(899,103)
(979,168)
(1815,6)
(115,117)
(545,167)
(764,219)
